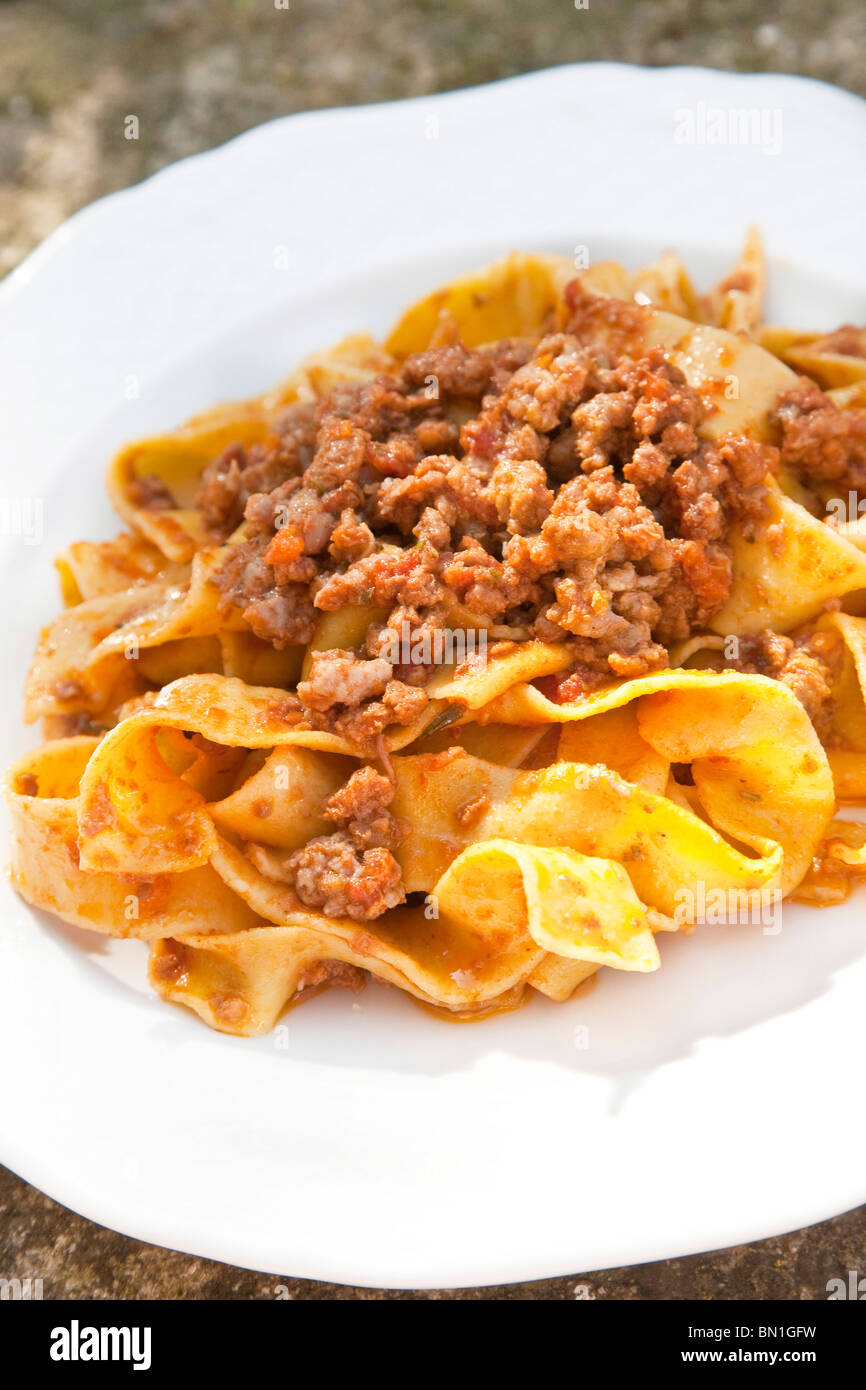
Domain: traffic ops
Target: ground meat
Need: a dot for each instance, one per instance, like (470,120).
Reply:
(331,875)
(820,443)
(809,662)
(331,972)
(361,808)
(357,697)
(362,725)
(848,340)
(472,811)
(238,473)
(352,873)
(404,703)
(338,677)
(618,322)
(282,615)
(151,494)
(351,538)
(67,689)
(559,488)
(455,371)
(404,576)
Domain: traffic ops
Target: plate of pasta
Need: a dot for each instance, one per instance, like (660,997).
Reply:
(503,666)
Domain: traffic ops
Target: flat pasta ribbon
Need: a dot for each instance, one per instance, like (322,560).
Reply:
(137,809)
(501,909)
(42,790)
(108,649)
(759,768)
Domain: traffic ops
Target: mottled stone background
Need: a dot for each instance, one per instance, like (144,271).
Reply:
(196,73)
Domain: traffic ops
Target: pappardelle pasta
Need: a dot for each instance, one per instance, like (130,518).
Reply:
(471,661)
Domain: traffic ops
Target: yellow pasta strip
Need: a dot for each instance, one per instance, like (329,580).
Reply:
(135,809)
(46,868)
(500,908)
(758,765)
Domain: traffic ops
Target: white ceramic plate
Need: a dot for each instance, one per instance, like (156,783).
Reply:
(718,1101)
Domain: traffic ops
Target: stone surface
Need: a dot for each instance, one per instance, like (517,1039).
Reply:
(71,76)
(72,73)
(76,1259)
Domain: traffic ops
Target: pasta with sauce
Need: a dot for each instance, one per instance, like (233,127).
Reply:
(472,660)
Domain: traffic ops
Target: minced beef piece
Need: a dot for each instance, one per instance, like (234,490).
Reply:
(820,443)
(338,677)
(282,615)
(362,724)
(351,538)
(151,494)
(238,473)
(361,808)
(809,662)
(331,972)
(404,576)
(356,697)
(331,875)
(848,340)
(66,689)
(352,873)
(547,487)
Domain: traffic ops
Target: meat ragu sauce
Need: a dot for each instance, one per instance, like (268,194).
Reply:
(542,489)
(820,443)
(551,489)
